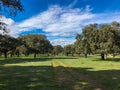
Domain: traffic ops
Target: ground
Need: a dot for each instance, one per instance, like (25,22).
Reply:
(59,73)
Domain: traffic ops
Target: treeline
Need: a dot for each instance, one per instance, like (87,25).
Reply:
(27,44)
(34,44)
(100,39)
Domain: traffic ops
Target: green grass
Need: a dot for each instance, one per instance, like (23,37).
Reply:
(105,72)
(26,74)
(38,74)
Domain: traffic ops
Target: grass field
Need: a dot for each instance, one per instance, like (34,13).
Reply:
(59,73)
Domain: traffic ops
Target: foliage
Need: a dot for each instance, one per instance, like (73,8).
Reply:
(36,43)
(57,49)
(69,49)
(99,38)
(7,43)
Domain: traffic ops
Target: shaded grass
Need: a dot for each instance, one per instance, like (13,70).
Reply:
(26,78)
(70,79)
(30,74)
(105,72)
(26,73)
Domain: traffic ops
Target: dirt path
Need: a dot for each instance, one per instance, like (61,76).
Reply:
(70,79)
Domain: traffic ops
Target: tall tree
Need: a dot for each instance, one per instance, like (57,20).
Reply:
(102,39)
(7,44)
(36,43)
(57,49)
(108,40)
(69,49)
(89,38)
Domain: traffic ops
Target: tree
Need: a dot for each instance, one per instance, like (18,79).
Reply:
(36,43)
(11,6)
(89,36)
(69,49)
(78,47)
(78,44)
(7,44)
(108,40)
(57,49)
(102,39)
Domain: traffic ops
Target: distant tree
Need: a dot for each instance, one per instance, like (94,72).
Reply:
(116,38)
(89,36)
(78,44)
(69,49)
(7,44)
(115,24)
(36,43)
(79,37)
(57,49)
(102,39)
(72,49)
(108,41)
(78,47)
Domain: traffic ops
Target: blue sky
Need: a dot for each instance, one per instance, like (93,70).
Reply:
(60,20)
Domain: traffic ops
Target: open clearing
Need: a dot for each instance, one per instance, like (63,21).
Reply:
(59,73)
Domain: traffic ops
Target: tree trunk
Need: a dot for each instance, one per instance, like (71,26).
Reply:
(113,55)
(11,54)
(72,54)
(67,54)
(102,56)
(106,56)
(5,54)
(48,54)
(35,55)
(85,55)
(18,54)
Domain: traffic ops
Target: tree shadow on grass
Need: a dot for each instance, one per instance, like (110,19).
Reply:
(24,60)
(26,78)
(38,78)
(21,60)
(108,79)
(57,78)
(108,59)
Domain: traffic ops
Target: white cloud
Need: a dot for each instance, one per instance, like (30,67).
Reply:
(104,18)
(5,20)
(62,42)
(63,21)
(55,20)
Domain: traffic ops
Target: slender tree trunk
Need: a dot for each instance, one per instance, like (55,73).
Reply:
(11,54)
(5,54)
(35,55)
(67,54)
(85,55)
(72,54)
(102,56)
(18,54)
(113,55)
(48,54)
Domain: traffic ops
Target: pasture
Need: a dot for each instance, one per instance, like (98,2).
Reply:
(59,73)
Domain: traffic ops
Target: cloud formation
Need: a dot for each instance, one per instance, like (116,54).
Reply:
(55,20)
(62,42)
(62,21)
(5,20)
